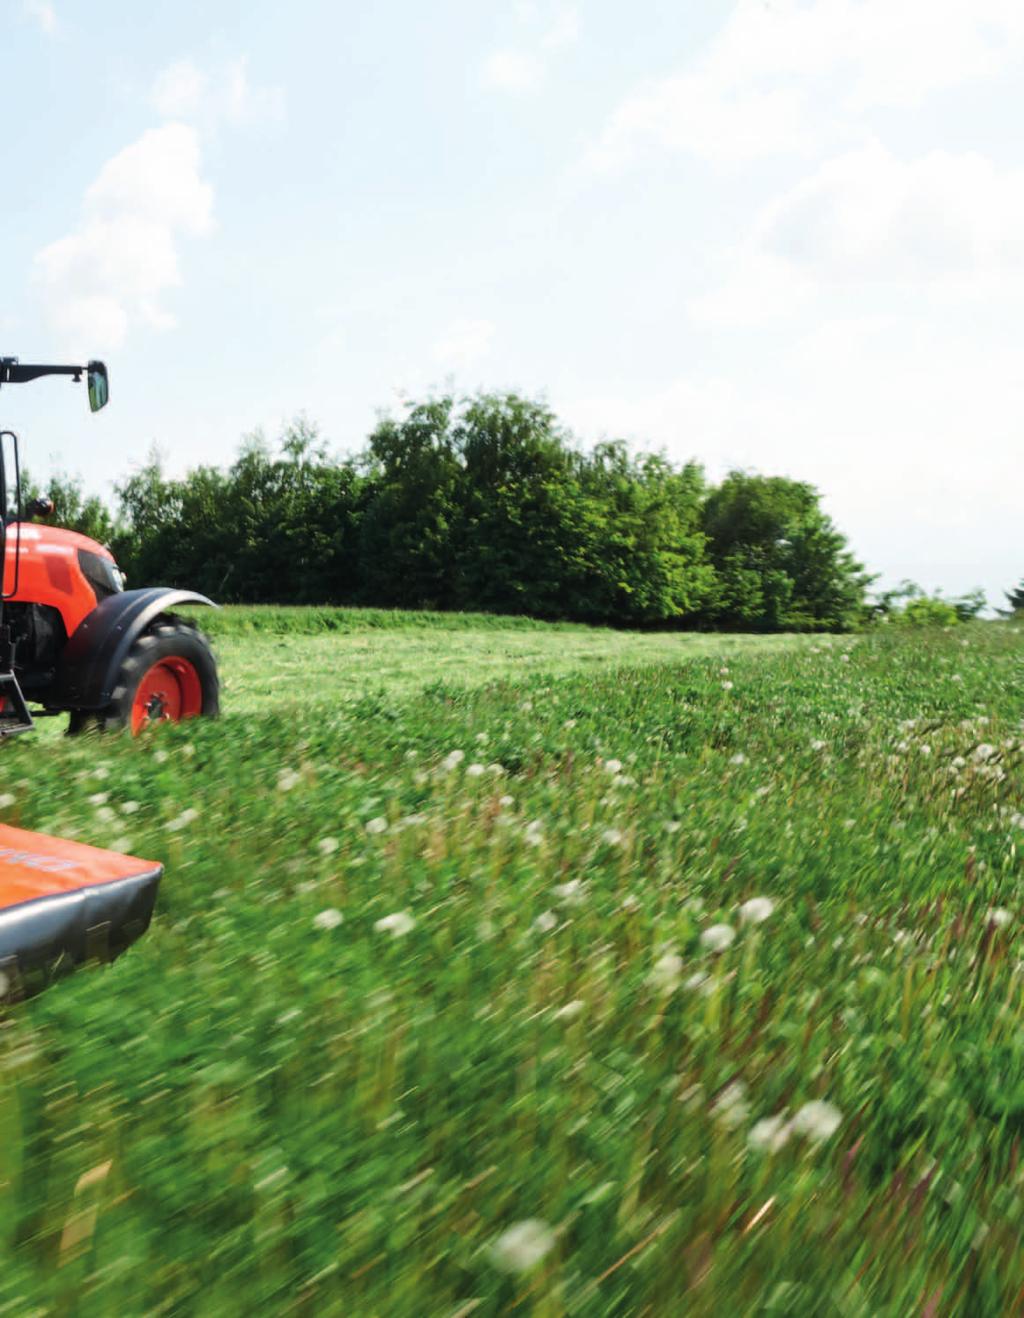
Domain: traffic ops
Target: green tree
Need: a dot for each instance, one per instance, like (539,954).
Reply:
(780,561)
(1015,599)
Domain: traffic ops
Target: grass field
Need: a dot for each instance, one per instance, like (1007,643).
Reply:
(516,970)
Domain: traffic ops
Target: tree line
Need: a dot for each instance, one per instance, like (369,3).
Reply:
(483,504)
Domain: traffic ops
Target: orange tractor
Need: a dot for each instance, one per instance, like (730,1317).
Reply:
(72,639)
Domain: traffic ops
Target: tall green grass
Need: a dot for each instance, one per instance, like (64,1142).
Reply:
(431,1020)
(314,620)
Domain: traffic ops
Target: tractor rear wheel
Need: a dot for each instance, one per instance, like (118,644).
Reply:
(169,674)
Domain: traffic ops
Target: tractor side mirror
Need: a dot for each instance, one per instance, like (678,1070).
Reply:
(41,507)
(99,386)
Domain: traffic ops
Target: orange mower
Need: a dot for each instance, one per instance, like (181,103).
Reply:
(72,639)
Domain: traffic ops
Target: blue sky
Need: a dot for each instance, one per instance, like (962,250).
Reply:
(786,235)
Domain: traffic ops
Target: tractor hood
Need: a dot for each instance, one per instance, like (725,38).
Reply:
(52,539)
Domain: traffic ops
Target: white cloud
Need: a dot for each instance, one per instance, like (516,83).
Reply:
(179,91)
(44,14)
(464,343)
(564,29)
(184,91)
(512,70)
(783,77)
(523,68)
(112,271)
(865,223)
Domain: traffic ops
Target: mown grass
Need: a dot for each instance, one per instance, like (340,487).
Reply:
(266,1107)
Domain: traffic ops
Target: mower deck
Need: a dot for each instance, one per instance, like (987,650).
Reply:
(64,902)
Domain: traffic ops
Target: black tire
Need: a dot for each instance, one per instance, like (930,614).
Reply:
(168,638)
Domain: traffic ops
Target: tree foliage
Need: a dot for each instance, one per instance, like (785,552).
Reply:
(487,504)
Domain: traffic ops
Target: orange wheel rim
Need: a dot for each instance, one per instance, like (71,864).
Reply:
(169,691)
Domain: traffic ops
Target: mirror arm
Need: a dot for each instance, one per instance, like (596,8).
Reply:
(12,373)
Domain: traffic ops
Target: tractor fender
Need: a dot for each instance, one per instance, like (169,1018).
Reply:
(90,662)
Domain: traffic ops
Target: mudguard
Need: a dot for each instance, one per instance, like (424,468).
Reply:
(88,668)
(64,902)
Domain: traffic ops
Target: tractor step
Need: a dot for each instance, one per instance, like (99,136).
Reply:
(14,715)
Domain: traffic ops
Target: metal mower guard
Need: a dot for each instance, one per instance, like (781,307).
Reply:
(62,903)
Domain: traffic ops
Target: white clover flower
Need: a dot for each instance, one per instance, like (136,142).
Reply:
(522,1246)
(613,766)
(572,893)
(983,752)
(481,738)
(506,801)
(397,925)
(527,706)
(327,919)
(99,798)
(672,825)
(844,658)
(7,799)
(287,779)
(452,760)
(475,771)
(731,1107)
(817,1120)
(612,837)
(102,771)
(727,686)
(129,807)
(666,973)
(717,937)
(999,916)
(756,910)
(105,814)
(188,816)
(533,833)
(327,846)
(623,780)
(738,758)
(769,1134)
(630,902)
(378,825)
(570,1011)
(1017,821)
(498,770)
(122,844)
(569,723)
(818,745)
(545,922)
(696,981)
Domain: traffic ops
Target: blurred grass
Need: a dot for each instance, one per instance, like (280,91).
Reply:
(262,1107)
